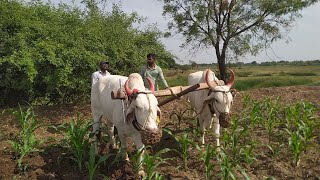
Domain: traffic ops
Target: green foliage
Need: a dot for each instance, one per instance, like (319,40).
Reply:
(77,138)
(47,53)
(26,141)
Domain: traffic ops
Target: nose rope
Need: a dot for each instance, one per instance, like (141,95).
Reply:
(136,124)
(224,97)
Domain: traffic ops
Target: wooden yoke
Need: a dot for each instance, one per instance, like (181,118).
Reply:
(175,92)
(176,96)
(166,92)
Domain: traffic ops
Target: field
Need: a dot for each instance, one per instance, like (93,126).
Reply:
(274,135)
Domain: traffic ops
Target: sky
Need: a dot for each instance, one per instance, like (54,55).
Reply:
(304,36)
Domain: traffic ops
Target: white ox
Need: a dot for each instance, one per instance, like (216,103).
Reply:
(209,104)
(141,110)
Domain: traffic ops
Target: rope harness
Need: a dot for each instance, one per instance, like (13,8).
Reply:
(213,103)
(135,123)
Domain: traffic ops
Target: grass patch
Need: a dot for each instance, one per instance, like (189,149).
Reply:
(244,74)
(264,74)
(253,83)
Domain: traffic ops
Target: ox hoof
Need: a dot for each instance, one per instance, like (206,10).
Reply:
(113,146)
(218,149)
(141,173)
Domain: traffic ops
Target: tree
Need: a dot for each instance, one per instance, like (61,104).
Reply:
(47,52)
(236,27)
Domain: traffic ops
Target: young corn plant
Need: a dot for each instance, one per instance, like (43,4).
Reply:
(300,127)
(297,145)
(226,166)
(206,156)
(92,164)
(256,114)
(151,162)
(136,161)
(26,141)
(271,115)
(274,149)
(247,153)
(185,142)
(77,138)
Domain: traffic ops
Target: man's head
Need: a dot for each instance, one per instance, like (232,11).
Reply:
(151,58)
(104,65)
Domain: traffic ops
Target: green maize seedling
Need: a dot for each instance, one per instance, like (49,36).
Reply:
(206,156)
(151,162)
(93,164)
(184,143)
(77,138)
(26,141)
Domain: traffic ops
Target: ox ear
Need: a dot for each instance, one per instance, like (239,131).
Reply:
(130,114)
(205,102)
(130,117)
(208,98)
(234,92)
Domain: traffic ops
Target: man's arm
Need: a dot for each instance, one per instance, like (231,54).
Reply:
(93,78)
(142,72)
(162,78)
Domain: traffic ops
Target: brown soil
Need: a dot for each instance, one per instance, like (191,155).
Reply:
(53,161)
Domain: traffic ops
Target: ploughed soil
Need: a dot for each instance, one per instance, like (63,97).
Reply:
(53,161)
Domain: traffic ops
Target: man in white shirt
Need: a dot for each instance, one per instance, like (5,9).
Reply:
(104,65)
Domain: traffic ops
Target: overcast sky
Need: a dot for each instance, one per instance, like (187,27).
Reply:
(304,36)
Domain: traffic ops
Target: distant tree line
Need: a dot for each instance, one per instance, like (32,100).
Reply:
(47,52)
(282,62)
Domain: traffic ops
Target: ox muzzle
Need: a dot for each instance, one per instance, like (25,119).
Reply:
(225,120)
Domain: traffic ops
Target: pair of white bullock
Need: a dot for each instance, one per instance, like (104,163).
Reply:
(141,107)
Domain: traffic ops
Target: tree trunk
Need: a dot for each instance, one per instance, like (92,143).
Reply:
(222,67)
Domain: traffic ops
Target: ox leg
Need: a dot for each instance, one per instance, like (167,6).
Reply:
(216,127)
(140,150)
(124,146)
(96,130)
(202,132)
(212,120)
(112,139)
(205,120)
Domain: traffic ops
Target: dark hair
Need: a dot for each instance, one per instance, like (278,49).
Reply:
(151,55)
(104,62)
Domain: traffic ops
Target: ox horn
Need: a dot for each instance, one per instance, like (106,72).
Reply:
(231,81)
(151,85)
(207,79)
(126,87)
(128,90)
